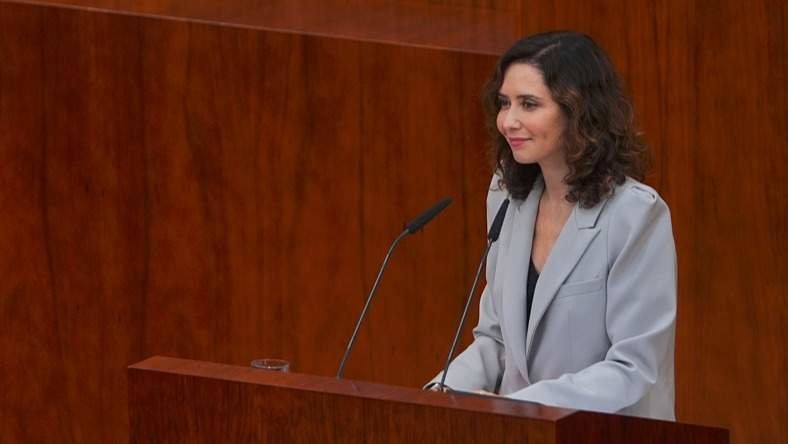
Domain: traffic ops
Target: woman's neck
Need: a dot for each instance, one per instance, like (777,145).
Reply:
(555,189)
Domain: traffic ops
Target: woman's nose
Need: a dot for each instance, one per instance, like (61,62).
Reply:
(512,120)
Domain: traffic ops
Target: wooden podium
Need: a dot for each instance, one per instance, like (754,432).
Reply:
(177,400)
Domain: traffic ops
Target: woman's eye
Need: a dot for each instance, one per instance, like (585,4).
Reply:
(503,104)
(529,105)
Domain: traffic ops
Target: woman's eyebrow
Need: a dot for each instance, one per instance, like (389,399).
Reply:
(520,96)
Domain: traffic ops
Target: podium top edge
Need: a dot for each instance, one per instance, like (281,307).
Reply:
(348,387)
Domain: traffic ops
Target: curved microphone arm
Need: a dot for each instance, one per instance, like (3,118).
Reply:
(464,316)
(369,301)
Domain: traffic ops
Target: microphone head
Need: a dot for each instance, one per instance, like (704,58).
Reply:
(420,221)
(495,228)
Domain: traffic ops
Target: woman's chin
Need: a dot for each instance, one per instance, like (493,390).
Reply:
(523,159)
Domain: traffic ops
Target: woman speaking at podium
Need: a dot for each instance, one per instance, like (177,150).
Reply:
(580,305)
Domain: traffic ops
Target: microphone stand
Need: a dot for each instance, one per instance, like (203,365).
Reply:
(413,226)
(492,236)
(369,300)
(442,384)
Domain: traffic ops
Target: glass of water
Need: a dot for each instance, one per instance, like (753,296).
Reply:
(271,365)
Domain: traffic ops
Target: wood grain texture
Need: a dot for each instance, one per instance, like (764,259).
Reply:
(227,192)
(484,26)
(222,194)
(740,228)
(176,400)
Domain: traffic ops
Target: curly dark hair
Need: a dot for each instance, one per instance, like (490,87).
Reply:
(602,144)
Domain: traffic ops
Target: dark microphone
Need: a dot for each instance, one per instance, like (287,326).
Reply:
(492,236)
(413,226)
(422,219)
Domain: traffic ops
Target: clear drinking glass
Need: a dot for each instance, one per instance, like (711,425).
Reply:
(271,365)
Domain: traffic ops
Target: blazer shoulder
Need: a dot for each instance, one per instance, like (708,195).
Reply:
(634,195)
(636,209)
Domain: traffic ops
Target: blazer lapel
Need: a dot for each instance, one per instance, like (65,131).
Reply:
(578,232)
(515,261)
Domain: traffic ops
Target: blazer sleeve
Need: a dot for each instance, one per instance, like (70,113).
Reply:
(640,313)
(480,366)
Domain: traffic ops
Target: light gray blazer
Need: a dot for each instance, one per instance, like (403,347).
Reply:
(602,325)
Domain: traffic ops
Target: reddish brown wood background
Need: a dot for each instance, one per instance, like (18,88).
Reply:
(223,193)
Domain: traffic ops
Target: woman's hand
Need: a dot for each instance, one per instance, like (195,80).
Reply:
(437,387)
(485,393)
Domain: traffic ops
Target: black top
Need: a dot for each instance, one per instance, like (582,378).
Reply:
(530,287)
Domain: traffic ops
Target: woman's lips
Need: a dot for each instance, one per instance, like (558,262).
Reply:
(517,142)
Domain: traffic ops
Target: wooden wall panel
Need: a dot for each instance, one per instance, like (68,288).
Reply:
(485,26)
(221,194)
(28,338)
(740,225)
(225,193)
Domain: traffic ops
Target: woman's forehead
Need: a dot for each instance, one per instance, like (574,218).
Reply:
(523,79)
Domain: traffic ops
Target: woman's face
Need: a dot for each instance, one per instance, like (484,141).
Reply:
(528,117)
